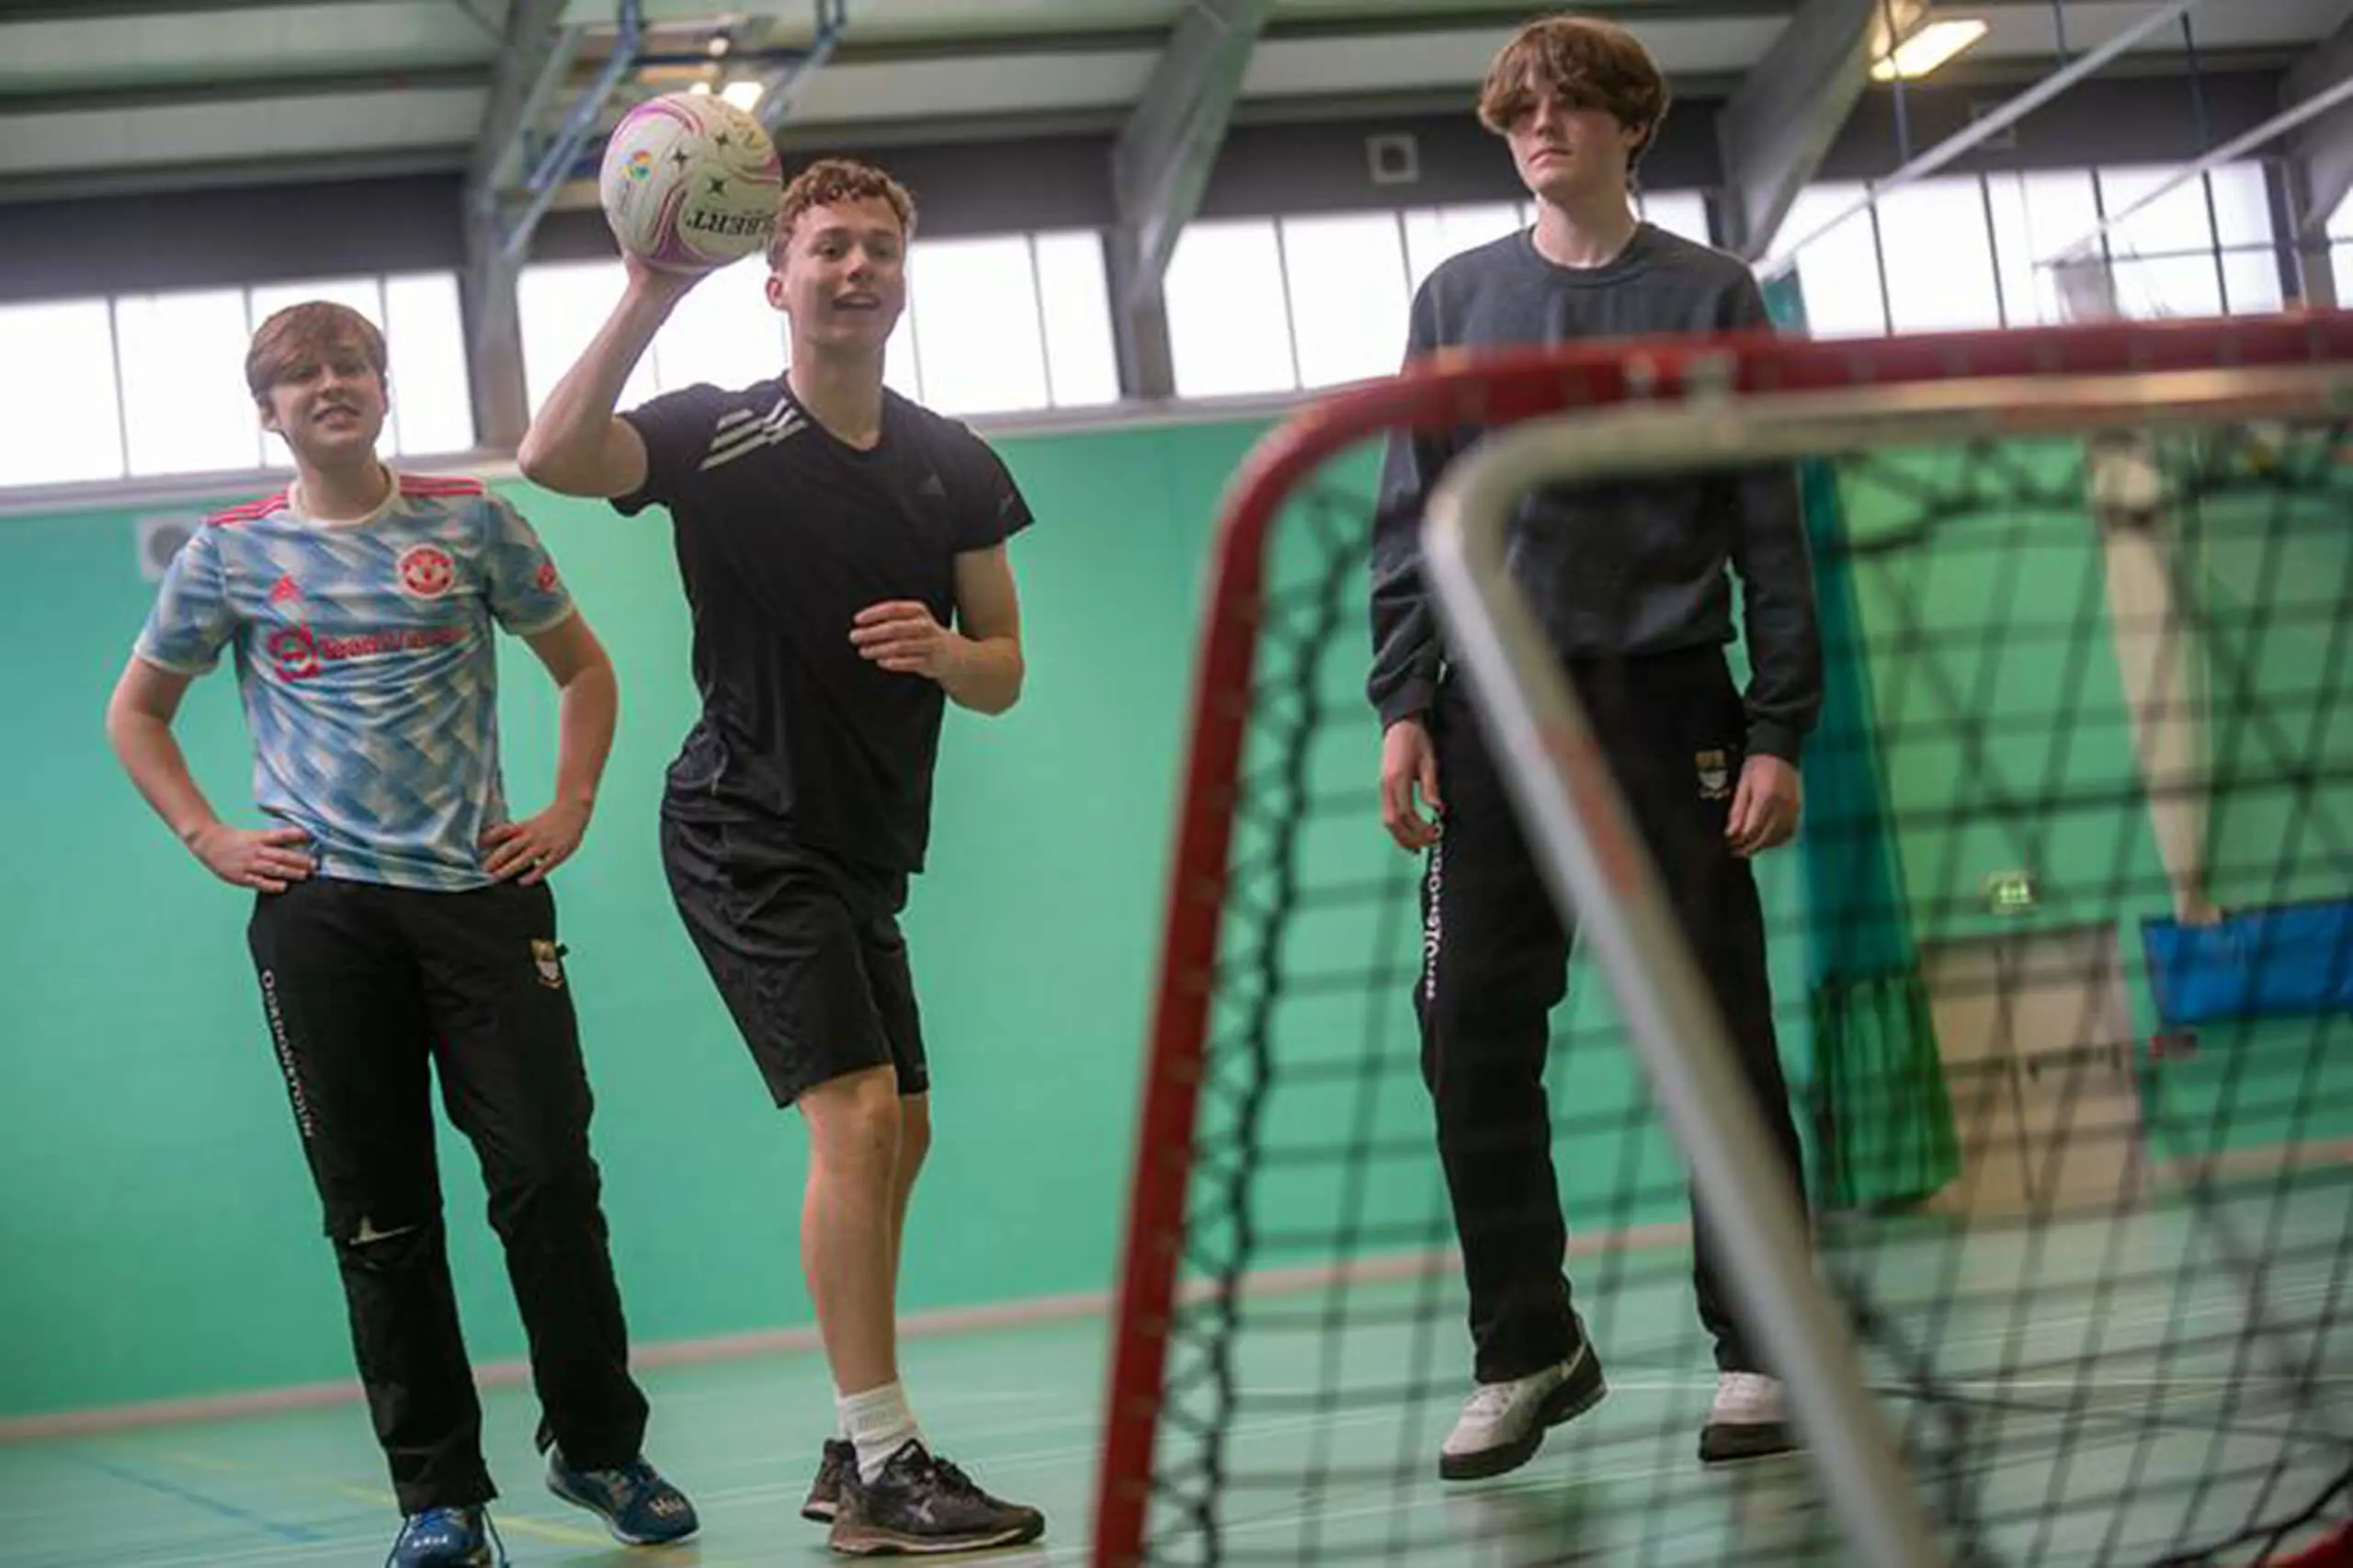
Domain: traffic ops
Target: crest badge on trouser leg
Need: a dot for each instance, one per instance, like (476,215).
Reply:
(548,959)
(1715,775)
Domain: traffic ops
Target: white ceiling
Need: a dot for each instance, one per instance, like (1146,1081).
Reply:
(141,87)
(905,21)
(196,45)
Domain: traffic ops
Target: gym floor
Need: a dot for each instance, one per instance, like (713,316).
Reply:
(2122,1399)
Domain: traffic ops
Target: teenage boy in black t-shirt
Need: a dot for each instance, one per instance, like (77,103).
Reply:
(844,554)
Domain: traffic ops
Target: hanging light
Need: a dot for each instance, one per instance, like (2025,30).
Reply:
(1928,48)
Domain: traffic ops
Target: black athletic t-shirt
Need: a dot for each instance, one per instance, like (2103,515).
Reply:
(784,533)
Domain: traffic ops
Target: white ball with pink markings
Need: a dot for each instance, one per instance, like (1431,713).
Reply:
(690,183)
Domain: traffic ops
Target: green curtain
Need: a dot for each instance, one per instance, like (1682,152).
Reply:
(1883,1118)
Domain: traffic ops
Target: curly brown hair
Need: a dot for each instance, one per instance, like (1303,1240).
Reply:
(307,332)
(827,181)
(1582,61)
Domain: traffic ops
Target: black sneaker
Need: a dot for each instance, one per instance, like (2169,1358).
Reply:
(825,1493)
(922,1504)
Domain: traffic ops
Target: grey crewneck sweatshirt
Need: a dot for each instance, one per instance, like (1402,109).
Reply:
(1620,568)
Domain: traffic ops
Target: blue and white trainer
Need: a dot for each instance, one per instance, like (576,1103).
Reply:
(446,1538)
(636,1503)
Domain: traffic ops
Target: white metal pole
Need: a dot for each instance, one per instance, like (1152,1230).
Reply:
(2320,103)
(1991,125)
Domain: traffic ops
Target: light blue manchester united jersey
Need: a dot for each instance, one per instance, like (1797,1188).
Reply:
(365,661)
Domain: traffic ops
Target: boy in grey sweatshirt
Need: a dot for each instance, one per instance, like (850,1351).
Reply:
(1629,581)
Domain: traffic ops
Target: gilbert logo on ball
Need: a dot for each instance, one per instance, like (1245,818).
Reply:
(691,182)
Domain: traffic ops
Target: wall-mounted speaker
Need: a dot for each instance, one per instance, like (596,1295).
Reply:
(160,538)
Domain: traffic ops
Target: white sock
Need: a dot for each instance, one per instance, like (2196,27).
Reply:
(880,1423)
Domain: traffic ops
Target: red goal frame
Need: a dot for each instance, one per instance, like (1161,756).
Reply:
(1447,392)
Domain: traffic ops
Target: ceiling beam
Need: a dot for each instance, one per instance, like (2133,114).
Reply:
(95,10)
(534,59)
(1161,163)
(1781,122)
(2323,146)
(1505,20)
(263,169)
(256,87)
(790,70)
(1405,28)
(1160,166)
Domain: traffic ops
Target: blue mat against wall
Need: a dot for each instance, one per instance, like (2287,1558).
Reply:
(2293,960)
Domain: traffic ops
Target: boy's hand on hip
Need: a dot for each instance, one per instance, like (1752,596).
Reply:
(526,851)
(265,858)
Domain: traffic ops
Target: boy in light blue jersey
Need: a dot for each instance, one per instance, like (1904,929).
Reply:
(403,926)
(365,663)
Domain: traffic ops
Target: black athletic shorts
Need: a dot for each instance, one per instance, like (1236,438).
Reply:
(806,951)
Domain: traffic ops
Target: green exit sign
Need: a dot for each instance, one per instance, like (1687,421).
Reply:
(2009,892)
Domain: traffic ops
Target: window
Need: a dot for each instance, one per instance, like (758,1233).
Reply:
(1683,212)
(1838,272)
(979,334)
(1346,276)
(1074,301)
(365,295)
(432,395)
(2168,260)
(155,384)
(724,333)
(1930,244)
(1272,305)
(1434,233)
(65,423)
(561,306)
(993,325)
(2174,259)
(902,362)
(1229,325)
(2340,235)
(2035,215)
(184,405)
(1940,256)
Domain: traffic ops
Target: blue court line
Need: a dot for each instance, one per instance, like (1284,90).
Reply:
(301,1533)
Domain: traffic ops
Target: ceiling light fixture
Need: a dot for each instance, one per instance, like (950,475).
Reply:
(1929,47)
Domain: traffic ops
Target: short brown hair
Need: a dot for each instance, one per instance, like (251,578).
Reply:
(1584,63)
(830,180)
(307,330)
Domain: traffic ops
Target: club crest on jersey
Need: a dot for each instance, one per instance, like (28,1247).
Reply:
(1715,775)
(426,571)
(548,959)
